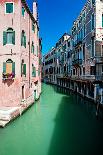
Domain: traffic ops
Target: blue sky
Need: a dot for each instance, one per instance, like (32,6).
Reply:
(56,17)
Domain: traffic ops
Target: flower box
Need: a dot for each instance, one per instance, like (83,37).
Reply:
(8,76)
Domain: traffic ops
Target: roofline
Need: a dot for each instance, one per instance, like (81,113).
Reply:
(30,13)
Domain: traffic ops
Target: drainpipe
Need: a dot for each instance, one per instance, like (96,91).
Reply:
(29,51)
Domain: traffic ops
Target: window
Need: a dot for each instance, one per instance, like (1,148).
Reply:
(84,31)
(33,71)
(9,8)
(9,37)
(32,47)
(102,68)
(102,51)
(33,27)
(93,70)
(23,39)
(84,52)
(93,2)
(92,46)
(23,68)
(23,96)
(69,44)
(83,70)
(92,21)
(23,11)
(38,71)
(102,20)
(8,69)
(73,71)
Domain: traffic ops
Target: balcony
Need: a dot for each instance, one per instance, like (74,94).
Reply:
(78,42)
(88,77)
(92,77)
(99,77)
(8,76)
(77,62)
(99,60)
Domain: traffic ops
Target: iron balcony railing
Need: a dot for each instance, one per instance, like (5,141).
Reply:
(78,42)
(99,77)
(88,77)
(77,62)
(99,59)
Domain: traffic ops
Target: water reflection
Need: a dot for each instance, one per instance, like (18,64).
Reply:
(77,131)
(90,107)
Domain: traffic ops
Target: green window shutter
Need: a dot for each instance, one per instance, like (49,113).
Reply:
(21,69)
(24,69)
(34,72)
(9,8)
(25,41)
(4,38)
(13,41)
(4,67)
(33,49)
(102,20)
(23,11)
(39,72)
(33,27)
(13,67)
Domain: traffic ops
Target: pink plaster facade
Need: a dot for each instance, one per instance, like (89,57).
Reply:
(11,89)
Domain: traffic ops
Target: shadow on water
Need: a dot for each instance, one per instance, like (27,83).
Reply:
(77,131)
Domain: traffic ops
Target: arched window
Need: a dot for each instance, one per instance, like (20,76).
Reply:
(8,69)
(32,47)
(23,11)
(33,71)
(23,39)
(23,68)
(9,36)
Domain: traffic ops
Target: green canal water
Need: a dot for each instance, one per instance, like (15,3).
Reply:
(59,123)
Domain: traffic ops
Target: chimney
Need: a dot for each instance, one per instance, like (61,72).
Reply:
(35,9)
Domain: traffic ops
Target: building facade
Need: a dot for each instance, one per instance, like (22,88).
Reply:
(20,77)
(83,53)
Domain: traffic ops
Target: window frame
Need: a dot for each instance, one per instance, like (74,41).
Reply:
(9,30)
(23,39)
(13,7)
(23,15)
(92,21)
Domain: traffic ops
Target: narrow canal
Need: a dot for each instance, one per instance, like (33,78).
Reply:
(58,124)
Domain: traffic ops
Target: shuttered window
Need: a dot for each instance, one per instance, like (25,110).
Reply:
(13,67)
(9,8)
(4,67)
(9,67)
(33,71)
(23,11)
(39,72)
(24,69)
(23,39)
(33,27)
(32,48)
(102,20)
(9,37)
